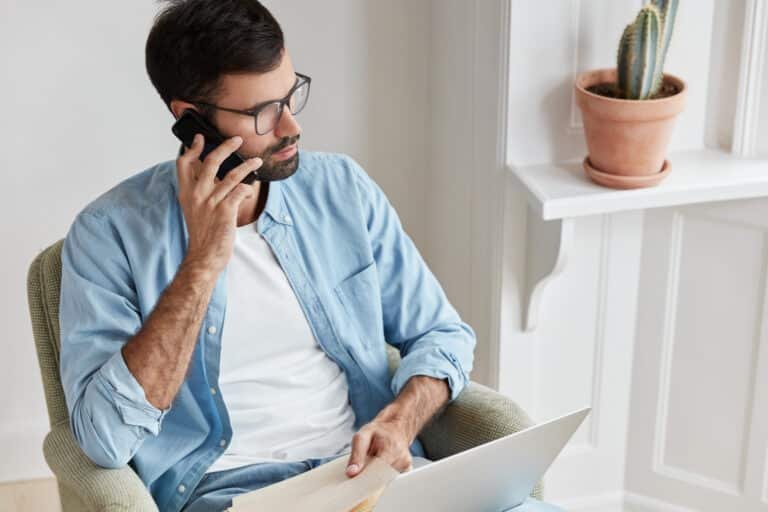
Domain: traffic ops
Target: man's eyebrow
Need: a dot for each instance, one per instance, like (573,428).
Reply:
(274,100)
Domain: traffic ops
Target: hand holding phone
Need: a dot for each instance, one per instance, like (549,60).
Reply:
(190,123)
(210,208)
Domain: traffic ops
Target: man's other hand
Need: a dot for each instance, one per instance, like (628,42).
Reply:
(387,439)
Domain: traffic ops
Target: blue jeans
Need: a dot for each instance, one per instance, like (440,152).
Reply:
(216,490)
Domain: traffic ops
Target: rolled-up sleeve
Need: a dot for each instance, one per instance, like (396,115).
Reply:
(109,413)
(418,319)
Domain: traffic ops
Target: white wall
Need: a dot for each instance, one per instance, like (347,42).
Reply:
(657,320)
(80,114)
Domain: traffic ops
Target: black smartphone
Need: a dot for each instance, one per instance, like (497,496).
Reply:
(190,123)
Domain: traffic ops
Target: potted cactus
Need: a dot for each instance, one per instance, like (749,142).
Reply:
(629,111)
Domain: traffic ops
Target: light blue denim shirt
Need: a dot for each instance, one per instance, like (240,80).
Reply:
(358,277)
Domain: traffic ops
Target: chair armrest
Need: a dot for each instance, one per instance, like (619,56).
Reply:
(477,416)
(101,489)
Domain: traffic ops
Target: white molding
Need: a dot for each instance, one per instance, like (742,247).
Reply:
(667,349)
(753,51)
(575,125)
(497,244)
(667,338)
(606,241)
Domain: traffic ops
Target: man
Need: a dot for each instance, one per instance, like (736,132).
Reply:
(222,335)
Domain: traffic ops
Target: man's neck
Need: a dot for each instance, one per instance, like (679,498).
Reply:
(251,210)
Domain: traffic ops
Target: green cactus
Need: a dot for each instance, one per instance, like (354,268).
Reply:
(668,11)
(643,50)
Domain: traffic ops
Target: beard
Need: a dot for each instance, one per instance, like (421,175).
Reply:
(272,169)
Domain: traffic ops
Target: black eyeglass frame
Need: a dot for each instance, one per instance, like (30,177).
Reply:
(255,111)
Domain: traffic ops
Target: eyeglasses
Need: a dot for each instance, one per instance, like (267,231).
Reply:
(266,115)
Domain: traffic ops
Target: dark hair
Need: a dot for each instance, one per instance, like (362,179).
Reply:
(193,42)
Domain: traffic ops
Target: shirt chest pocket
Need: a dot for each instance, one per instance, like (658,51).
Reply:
(360,298)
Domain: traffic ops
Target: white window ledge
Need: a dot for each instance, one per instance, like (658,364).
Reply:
(560,191)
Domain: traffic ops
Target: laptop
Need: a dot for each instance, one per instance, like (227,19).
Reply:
(492,477)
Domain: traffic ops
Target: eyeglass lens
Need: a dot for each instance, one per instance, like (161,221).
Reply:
(270,114)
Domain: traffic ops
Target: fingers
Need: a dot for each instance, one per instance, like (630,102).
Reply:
(360,443)
(234,177)
(213,161)
(384,443)
(386,448)
(186,162)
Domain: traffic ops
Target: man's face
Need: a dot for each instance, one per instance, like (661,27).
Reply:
(243,92)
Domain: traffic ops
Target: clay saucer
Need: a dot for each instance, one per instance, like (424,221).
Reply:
(624,182)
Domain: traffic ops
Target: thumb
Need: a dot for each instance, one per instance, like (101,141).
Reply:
(360,443)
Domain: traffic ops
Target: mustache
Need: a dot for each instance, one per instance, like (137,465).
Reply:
(288,141)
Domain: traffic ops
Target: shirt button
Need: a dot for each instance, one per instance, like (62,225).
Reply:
(212,329)
(182,488)
(287,218)
(213,391)
(223,443)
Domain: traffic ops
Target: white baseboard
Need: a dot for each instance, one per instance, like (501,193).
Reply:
(619,501)
(608,502)
(640,503)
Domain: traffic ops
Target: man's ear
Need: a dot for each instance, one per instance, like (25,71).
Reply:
(178,107)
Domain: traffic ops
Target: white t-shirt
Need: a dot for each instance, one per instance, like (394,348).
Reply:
(287,400)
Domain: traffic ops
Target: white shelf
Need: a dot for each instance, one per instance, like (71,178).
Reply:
(560,191)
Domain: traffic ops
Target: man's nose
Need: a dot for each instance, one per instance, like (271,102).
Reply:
(287,126)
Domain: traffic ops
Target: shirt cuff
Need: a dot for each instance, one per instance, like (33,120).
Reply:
(128,396)
(432,362)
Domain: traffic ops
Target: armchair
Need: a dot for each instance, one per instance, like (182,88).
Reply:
(477,416)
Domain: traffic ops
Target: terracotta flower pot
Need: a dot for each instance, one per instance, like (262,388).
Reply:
(627,139)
